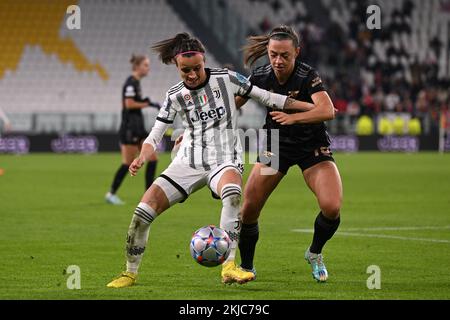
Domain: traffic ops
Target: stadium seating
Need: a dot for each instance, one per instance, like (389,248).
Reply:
(45,67)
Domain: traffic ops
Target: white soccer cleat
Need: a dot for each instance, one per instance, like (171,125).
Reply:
(319,271)
(113,199)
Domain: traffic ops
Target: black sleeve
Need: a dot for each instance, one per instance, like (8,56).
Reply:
(130,91)
(254,80)
(314,83)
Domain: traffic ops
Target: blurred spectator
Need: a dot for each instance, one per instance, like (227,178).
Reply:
(265,25)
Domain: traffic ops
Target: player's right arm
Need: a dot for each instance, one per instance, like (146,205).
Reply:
(164,119)
(146,152)
(133,104)
(132,100)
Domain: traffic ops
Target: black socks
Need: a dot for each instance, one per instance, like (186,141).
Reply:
(118,178)
(150,173)
(324,229)
(247,244)
(123,170)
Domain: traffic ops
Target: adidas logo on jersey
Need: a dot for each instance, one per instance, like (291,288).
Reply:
(212,114)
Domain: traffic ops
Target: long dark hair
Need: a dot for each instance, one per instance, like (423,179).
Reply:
(182,42)
(256,46)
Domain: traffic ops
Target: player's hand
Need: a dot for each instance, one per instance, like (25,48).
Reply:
(136,165)
(147,101)
(283,118)
(155,105)
(178,141)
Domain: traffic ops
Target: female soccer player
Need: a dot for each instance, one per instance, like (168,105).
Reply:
(132,131)
(5,124)
(303,141)
(209,154)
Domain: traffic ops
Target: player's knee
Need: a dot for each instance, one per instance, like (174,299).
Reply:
(231,195)
(331,208)
(144,213)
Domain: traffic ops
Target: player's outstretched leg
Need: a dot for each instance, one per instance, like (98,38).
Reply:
(230,222)
(247,245)
(136,242)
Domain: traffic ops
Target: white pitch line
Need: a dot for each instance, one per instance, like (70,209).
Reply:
(381,236)
(399,228)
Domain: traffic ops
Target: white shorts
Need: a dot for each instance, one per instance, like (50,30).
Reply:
(179,180)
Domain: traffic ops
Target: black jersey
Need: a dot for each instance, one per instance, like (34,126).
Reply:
(132,125)
(303,82)
(132,90)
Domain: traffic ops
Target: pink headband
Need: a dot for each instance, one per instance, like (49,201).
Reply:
(187,52)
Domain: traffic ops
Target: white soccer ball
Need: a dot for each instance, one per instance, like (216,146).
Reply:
(210,246)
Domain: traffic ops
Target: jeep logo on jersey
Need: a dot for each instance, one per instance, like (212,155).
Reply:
(217,113)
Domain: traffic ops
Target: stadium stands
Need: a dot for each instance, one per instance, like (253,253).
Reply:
(45,67)
(404,67)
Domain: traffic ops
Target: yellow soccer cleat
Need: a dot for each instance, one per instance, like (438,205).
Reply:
(232,273)
(126,279)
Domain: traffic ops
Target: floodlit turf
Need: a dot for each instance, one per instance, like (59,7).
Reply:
(53,215)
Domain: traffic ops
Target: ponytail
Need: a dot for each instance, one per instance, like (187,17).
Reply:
(257,45)
(136,60)
(255,49)
(182,43)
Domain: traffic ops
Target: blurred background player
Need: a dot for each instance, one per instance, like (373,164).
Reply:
(132,129)
(303,141)
(5,123)
(5,126)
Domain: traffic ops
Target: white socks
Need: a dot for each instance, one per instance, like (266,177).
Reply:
(138,235)
(144,215)
(229,219)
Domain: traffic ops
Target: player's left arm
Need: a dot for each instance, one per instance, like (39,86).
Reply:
(322,110)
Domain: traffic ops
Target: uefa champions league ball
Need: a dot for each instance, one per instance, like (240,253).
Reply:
(210,246)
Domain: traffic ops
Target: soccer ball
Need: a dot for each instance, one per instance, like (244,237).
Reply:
(210,246)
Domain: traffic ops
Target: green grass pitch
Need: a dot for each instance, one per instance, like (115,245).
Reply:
(396,215)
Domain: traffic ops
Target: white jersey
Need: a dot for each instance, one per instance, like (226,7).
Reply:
(209,115)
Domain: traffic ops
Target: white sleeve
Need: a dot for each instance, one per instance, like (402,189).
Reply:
(155,136)
(168,111)
(267,98)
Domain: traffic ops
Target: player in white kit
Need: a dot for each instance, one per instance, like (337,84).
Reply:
(210,152)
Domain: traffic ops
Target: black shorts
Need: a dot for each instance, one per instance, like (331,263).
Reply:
(132,136)
(283,161)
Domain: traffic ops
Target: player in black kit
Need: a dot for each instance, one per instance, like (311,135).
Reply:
(303,141)
(132,130)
